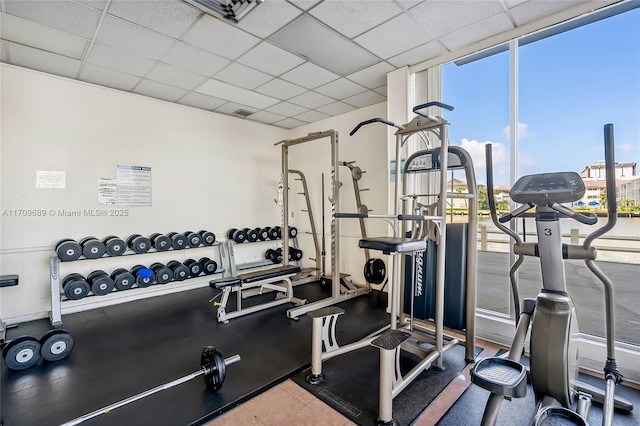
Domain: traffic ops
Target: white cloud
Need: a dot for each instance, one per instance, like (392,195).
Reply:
(523,131)
(627,147)
(500,159)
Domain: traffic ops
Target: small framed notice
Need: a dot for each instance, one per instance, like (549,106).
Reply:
(107,191)
(134,185)
(50,179)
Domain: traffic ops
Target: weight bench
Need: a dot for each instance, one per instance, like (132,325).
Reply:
(277,279)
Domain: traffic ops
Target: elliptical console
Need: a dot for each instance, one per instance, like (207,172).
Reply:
(543,188)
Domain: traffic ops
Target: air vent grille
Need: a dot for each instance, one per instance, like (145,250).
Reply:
(243,112)
(231,10)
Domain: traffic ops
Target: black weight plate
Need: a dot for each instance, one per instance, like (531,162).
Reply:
(208,238)
(85,239)
(173,264)
(239,236)
(208,266)
(21,353)
(160,242)
(76,289)
(102,285)
(130,238)
(193,240)
(143,282)
(273,233)
(140,244)
(163,274)
(70,277)
(144,276)
(263,234)
(230,233)
(114,246)
(124,281)
(68,250)
(293,231)
(180,273)
(56,345)
(252,235)
(92,248)
(325,284)
(279,231)
(297,254)
(118,271)
(178,241)
(375,271)
(95,274)
(269,254)
(212,361)
(195,268)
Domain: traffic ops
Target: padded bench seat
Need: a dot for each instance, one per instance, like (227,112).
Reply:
(265,274)
(224,282)
(389,245)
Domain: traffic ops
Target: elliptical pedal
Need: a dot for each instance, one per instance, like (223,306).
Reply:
(500,376)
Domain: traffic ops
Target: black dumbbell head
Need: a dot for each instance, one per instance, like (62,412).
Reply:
(208,238)
(114,246)
(230,233)
(180,272)
(193,239)
(163,274)
(68,250)
(123,279)
(273,233)
(194,267)
(252,235)
(293,231)
(178,241)
(160,242)
(92,248)
(75,287)
(208,266)
(101,284)
(144,276)
(138,243)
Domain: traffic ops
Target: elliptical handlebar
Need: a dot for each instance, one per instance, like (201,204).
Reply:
(373,120)
(587,219)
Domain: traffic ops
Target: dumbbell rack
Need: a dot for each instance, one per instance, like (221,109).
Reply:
(60,304)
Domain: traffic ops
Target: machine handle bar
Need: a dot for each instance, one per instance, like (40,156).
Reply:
(430,104)
(373,120)
(517,212)
(587,219)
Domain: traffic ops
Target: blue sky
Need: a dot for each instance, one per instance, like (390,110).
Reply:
(570,85)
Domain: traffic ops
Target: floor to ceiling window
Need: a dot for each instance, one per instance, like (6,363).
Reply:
(572,79)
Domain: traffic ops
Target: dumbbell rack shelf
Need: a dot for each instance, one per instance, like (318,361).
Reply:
(61,305)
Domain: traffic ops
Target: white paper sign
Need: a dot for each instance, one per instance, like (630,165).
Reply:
(50,179)
(134,185)
(107,191)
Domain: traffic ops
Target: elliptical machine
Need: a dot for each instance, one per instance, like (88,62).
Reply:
(554,326)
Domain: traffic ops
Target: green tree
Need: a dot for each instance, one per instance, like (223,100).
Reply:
(483,201)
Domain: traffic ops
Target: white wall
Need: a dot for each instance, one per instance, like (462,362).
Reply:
(368,147)
(208,171)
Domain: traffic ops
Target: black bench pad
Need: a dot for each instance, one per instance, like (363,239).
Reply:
(265,274)
(224,282)
(393,245)
(8,280)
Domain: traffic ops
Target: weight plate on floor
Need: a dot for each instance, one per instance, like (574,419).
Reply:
(56,345)
(375,271)
(21,353)
(212,361)
(114,246)
(102,285)
(92,248)
(68,250)
(208,238)
(75,288)
(123,280)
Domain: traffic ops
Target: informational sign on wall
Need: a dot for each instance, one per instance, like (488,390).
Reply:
(50,179)
(107,191)
(134,185)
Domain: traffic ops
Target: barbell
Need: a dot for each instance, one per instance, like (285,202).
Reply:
(214,370)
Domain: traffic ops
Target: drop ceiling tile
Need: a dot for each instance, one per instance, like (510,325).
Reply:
(222,90)
(353,17)
(408,4)
(266,117)
(201,101)
(536,9)
(270,59)
(289,123)
(394,37)
(304,4)
(335,52)
(115,59)
(41,37)
(418,54)
(176,77)
(311,116)
(109,78)
(159,91)
(381,90)
(444,17)
(311,100)
(365,99)
(372,77)
(242,76)
(513,3)
(231,107)
(268,17)
(64,15)
(309,75)
(96,4)
(43,61)
(287,109)
(220,38)
(478,31)
(167,17)
(336,108)
(340,88)
(280,89)
(133,38)
(185,56)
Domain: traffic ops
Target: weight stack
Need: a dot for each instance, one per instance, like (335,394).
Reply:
(455,279)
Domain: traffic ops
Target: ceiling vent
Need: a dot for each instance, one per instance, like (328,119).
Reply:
(231,10)
(243,112)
